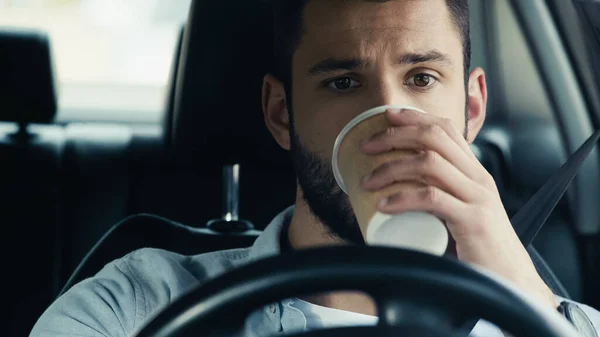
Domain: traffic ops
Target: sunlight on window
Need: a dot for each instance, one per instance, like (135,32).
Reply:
(112,57)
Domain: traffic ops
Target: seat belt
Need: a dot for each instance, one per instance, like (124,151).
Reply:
(530,218)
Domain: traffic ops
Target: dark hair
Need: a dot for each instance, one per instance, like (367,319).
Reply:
(288,16)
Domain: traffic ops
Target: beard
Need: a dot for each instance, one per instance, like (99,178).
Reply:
(325,199)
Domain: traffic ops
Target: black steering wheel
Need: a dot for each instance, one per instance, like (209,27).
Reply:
(416,294)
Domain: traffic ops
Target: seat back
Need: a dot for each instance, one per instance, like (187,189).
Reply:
(218,117)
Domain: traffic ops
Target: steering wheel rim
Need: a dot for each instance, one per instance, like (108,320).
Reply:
(430,283)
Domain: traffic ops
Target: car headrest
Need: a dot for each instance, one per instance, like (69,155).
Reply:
(227,50)
(26,80)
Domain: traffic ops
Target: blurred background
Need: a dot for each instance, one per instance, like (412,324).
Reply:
(112,57)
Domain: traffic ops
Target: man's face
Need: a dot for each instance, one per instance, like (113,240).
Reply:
(355,55)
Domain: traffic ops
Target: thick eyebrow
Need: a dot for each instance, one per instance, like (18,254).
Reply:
(334,64)
(429,56)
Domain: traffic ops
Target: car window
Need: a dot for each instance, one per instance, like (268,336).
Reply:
(515,87)
(574,32)
(112,58)
(524,95)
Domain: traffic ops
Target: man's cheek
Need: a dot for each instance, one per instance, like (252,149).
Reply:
(453,109)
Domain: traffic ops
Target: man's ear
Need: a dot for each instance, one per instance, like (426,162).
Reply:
(275,111)
(477,96)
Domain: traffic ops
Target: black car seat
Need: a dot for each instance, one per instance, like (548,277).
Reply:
(218,119)
(30,156)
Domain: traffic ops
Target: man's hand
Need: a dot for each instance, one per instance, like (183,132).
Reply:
(458,189)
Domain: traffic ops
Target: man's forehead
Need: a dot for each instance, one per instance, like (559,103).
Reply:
(351,14)
(356,26)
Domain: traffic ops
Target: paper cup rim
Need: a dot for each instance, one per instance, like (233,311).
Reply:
(355,121)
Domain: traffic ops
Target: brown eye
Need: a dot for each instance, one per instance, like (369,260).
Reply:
(343,84)
(422,80)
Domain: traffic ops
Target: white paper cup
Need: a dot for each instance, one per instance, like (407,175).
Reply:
(410,230)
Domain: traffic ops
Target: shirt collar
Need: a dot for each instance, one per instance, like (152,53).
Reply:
(268,242)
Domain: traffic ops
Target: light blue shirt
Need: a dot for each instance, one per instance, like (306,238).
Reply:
(128,292)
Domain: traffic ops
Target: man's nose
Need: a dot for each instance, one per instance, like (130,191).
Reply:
(390,91)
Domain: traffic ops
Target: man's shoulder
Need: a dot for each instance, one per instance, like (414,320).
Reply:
(156,268)
(201,266)
(121,297)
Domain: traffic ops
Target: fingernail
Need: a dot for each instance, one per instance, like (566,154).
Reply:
(395,110)
(364,141)
(383,202)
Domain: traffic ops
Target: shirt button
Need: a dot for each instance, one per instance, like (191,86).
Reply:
(272,308)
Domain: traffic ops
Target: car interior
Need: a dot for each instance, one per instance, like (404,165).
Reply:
(92,192)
